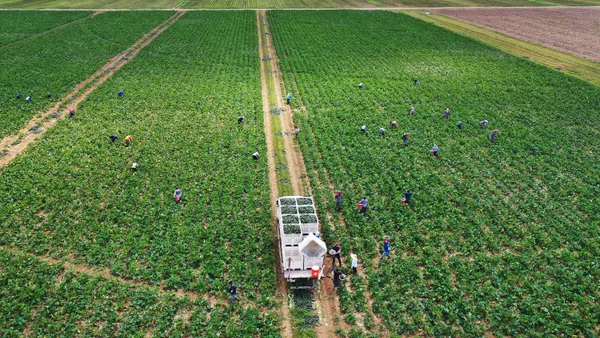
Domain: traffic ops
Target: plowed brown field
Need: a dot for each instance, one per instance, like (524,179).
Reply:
(572,30)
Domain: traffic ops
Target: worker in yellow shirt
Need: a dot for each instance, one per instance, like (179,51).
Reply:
(128,140)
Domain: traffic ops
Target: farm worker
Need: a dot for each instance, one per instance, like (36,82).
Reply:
(416,82)
(405,138)
(113,137)
(19,96)
(459,125)
(447,113)
(338,200)
(360,85)
(232,291)
(386,249)
(434,151)
(412,110)
(120,93)
(288,97)
(336,277)
(318,235)
(394,124)
(177,195)
(354,262)
(407,196)
(28,99)
(493,135)
(336,253)
(128,140)
(134,167)
(363,129)
(240,119)
(296,130)
(363,205)
(72,113)
(382,131)
(483,123)
(49,95)
(255,155)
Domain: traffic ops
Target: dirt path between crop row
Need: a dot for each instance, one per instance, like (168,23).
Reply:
(13,145)
(286,324)
(293,155)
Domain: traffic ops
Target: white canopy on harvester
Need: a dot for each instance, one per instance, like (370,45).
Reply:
(311,246)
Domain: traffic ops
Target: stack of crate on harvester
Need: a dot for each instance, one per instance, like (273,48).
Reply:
(302,251)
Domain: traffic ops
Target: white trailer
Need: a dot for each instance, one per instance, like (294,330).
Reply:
(300,247)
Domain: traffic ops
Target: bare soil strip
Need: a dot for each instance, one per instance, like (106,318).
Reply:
(13,145)
(286,326)
(581,68)
(571,30)
(50,30)
(106,274)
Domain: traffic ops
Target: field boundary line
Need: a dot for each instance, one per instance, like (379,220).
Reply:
(52,29)
(12,145)
(286,325)
(278,9)
(569,64)
(105,273)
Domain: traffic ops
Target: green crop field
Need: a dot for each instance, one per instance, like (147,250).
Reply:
(18,25)
(500,237)
(57,61)
(73,196)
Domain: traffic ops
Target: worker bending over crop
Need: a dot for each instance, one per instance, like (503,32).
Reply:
(28,99)
(493,135)
(354,263)
(361,86)
(483,123)
(363,129)
(382,131)
(434,151)
(446,113)
(405,138)
(71,113)
(338,200)
(407,196)
(296,130)
(232,291)
(177,195)
(394,124)
(386,249)
(363,205)
(336,253)
(240,119)
(134,167)
(120,93)
(459,125)
(336,277)
(255,155)
(128,140)
(113,137)
(288,97)
(411,111)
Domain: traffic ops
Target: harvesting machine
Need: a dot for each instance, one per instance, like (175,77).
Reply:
(301,250)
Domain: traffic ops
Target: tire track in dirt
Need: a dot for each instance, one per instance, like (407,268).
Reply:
(13,145)
(286,325)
